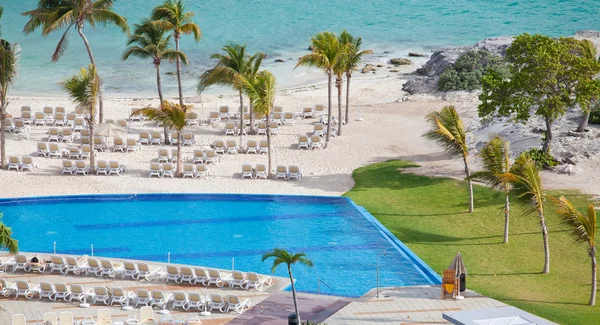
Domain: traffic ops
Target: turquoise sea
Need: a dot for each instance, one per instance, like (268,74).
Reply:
(282,30)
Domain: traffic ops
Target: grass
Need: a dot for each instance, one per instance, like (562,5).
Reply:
(430,215)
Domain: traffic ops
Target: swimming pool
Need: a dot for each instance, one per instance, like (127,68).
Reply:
(343,240)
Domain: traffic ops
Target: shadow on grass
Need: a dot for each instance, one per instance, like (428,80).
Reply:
(390,176)
(506,274)
(511,300)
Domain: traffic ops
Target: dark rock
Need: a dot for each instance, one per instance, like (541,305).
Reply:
(368,68)
(279,60)
(386,52)
(171,73)
(310,48)
(380,66)
(417,55)
(394,70)
(400,61)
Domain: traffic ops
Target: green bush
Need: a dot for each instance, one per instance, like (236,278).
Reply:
(542,159)
(594,117)
(466,72)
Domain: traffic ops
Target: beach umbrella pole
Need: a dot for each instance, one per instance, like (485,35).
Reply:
(205,312)
(127,307)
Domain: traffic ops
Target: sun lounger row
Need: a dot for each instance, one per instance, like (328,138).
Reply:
(109,168)
(288,173)
(103,317)
(316,111)
(231,146)
(204,157)
(208,277)
(260,171)
(130,145)
(23,164)
(155,137)
(53,150)
(312,142)
(16,126)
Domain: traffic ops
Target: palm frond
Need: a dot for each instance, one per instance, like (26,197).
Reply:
(192,28)
(169,114)
(448,131)
(172,55)
(496,164)
(527,184)
(62,45)
(583,225)
(261,91)
(83,88)
(107,16)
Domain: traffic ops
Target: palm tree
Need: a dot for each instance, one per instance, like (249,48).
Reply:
(261,91)
(584,231)
(6,239)
(172,116)
(231,70)
(250,75)
(590,52)
(152,43)
(325,55)
(496,172)
(527,185)
(447,129)
(84,89)
(353,58)
(172,16)
(281,256)
(9,54)
(52,15)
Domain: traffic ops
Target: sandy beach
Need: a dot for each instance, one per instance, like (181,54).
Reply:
(391,129)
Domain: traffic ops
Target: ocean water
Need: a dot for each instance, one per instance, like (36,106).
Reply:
(282,30)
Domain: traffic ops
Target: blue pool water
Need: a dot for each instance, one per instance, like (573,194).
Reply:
(210,230)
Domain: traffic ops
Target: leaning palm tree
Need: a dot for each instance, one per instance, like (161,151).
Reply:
(151,43)
(325,55)
(173,116)
(281,256)
(9,54)
(6,239)
(352,59)
(252,72)
(584,231)
(527,185)
(84,89)
(261,91)
(231,70)
(447,129)
(52,15)
(496,172)
(172,16)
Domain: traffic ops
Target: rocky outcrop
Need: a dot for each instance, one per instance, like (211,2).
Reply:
(417,55)
(400,61)
(368,68)
(279,60)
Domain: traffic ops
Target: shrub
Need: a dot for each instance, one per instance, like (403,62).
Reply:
(594,117)
(543,159)
(466,72)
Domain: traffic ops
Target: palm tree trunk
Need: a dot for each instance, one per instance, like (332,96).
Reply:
(160,97)
(545,238)
(294,295)
(506,216)
(470,183)
(584,121)
(270,162)
(548,139)
(251,117)
(593,295)
(348,76)
(93,61)
(2,133)
(178,170)
(339,84)
(241,118)
(328,109)
(92,147)
(178,61)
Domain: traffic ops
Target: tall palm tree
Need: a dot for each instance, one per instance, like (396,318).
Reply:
(231,70)
(281,256)
(528,187)
(6,239)
(496,172)
(325,55)
(584,231)
(590,52)
(152,43)
(250,75)
(172,16)
(353,58)
(261,91)
(9,54)
(53,15)
(173,116)
(84,89)
(447,129)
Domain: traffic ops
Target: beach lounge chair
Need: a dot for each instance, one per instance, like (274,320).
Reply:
(168,169)
(22,288)
(54,150)
(9,125)
(25,109)
(85,133)
(99,295)
(180,300)
(202,171)
(18,319)
(100,143)
(147,315)
(288,118)
(38,118)
(67,167)
(316,142)
(27,118)
(71,119)
(319,110)
(294,172)
(277,118)
(174,138)
(124,124)
(60,119)
(195,301)
(57,264)
(156,138)
(81,168)
(319,129)
(145,273)
(129,270)
(60,109)
(93,267)
(213,117)
(66,318)
(214,277)
(224,112)
(303,142)
(210,156)
(263,146)
(189,170)
(172,273)
(119,296)
(237,279)
(17,263)
(230,129)
(119,145)
(134,116)
(261,171)
(5,289)
(449,284)
(234,303)
(281,172)
(164,155)
(46,291)
(201,276)
(108,269)
(219,146)
(159,298)
(102,167)
(50,319)
(74,152)
(155,170)
(66,135)
(144,138)
(115,168)
(48,111)
(42,149)
(72,265)
(53,135)
(21,128)
(247,171)
(251,146)
(257,282)
(198,157)
(86,151)
(132,145)
(61,291)
(217,301)
(261,128)
(246,119)
(14,162)
(278,109)
(188,139)
(79,124)
(274,129)
(307,112)
(103,317)
(192,119)
(77,293)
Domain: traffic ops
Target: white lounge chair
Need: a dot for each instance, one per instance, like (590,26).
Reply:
(168,169)
(156,138)
(57,264)
(180,300)
(189,170)
(234,303)
(145,273)
(42,149)
(86,151)
(115,168)
(81,168)
(27,118)
(79,124)
(5,289)
(38,119)
(54,150)
(319,110)
(119,145)
(61,291)
(214,277)
(319,129)
(198,157)
(155,170)
(316,142)
(74,152)
(99,294)
(294,172)
(60,119)
(261,128)
(100,143)
(257,282)
(77,293)
(135,116)
(202,171)
(195,301)
(22,288)
(232,147)
(103,317)
(50,319)
(281,172)
(46,290)
(230,129)
(217,301)
(132,145)
(72,265)
(142,297)
(214,118)
(288,118)
(14,162)
(93,267)
(261,171)
(210,156)
(108,269)
(263,146)
(219,146)
(144,138)
(159,298)
(118,296)
(251,146)
(274,128)
(17,263)
(67,135)
(247,171)
(307,112)
(147,315)
(173,273)
(164,155)
(9,125)
(201,276)
(238,279)
(192,119)
(303,142)
(18,319)
(67,167)
(53,135)
(28,164)
(102,167)
(66,318)
(224,112)
(188,139)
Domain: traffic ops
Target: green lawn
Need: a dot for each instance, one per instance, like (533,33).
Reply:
(430,216)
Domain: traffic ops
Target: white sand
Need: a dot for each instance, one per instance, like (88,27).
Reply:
(390,130)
